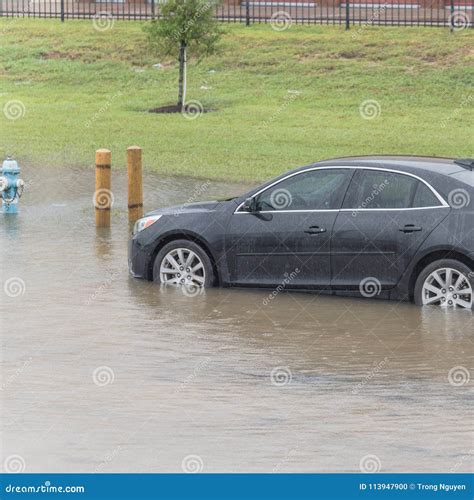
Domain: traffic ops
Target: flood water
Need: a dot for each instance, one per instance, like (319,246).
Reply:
(102,372)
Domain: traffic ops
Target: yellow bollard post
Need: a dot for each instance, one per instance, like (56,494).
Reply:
(103,197)
(135,185)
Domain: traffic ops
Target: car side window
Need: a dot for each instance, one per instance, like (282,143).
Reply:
(424,197)
(379,189)
(314,190)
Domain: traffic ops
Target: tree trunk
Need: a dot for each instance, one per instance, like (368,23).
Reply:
(182,77)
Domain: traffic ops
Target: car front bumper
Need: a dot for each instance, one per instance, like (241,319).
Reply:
(138,259)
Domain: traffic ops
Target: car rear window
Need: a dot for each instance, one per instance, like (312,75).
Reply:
(424,197)
(379,189)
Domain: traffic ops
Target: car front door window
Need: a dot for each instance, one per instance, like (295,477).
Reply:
(312,190)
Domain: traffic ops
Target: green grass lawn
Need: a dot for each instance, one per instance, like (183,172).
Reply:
(280,99)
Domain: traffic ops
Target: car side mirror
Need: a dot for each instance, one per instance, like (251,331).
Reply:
(249,205)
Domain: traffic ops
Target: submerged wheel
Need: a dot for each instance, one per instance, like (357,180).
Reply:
(445,283)
(183,262)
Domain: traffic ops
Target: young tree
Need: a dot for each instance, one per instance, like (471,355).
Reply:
(185,27)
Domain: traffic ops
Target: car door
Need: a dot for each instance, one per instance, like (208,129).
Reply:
(286,239)
(386,215)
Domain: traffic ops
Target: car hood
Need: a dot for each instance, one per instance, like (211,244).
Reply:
(188,208)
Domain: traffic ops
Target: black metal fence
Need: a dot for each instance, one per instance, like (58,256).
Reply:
(455,14)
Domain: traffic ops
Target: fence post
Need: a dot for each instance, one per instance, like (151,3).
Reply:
(135,186)
(103,195)
(62,11)
(451,17)
(348,14)
(153,9)
(247,13)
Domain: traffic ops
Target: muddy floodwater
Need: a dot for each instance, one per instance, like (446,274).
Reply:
(102,372)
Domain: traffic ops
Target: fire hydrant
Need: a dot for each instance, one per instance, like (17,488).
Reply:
(11,186)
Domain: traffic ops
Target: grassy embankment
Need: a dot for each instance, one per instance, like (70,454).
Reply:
(281,99)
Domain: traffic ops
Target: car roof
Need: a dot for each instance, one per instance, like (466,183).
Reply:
(433,164)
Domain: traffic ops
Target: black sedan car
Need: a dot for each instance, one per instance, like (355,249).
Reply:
(390,227)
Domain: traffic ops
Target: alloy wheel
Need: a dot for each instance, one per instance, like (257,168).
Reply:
(447,287)
(182,266)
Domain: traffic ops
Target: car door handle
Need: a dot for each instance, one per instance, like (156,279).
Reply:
(410,228)
(315,230)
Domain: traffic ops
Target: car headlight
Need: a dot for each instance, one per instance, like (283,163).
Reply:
(145,222)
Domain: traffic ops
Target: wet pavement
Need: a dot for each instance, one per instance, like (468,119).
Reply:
(102,372)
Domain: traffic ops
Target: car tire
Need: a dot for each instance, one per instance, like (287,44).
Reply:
(436,284)
(171,252)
